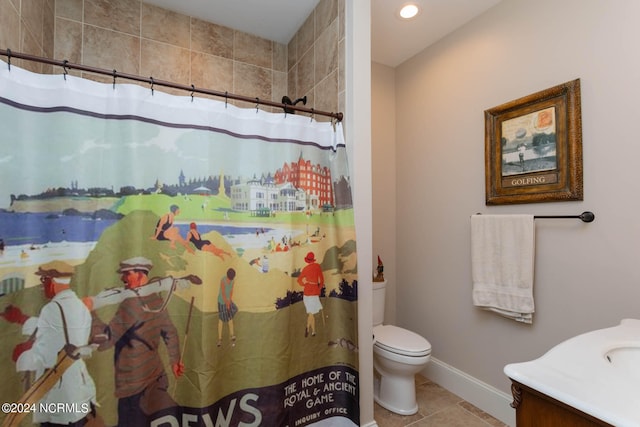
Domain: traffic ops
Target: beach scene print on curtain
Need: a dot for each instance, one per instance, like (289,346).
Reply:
(202,256)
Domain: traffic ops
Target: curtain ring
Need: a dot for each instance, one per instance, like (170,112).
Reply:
(9,59)
(226,98)
(312,114)
(64,68)
(115,74)
(257,103)
(193,89)
(152,83)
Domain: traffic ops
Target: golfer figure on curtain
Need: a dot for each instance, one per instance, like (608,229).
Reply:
(227,309)
(63,321)
(312,279)
(136,330)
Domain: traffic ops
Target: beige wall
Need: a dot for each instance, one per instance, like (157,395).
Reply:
(384,170)
(586,275)
(136,38)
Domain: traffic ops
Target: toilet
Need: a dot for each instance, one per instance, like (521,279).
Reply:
(398,354)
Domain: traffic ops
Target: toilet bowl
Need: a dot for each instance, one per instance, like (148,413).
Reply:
(398,354)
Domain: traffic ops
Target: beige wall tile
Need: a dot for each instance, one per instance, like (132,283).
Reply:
(211,38)
(70,9)
(305,79)
(31,46)
(251,81)
(326,94)
(326,51)
(341,18)
(311,102)
(165,26)
(279,57)
(9,26)
(165,62)
(306,36)
(316,58)
(117,15)
(326,12)
(292,79)
(279,86)
(252,49)
(68,40)
(211,72)
(48,27)
(341,66)
(32,12)
(111,50)
(292,52)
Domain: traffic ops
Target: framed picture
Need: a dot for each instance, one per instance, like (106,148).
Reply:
(533,148)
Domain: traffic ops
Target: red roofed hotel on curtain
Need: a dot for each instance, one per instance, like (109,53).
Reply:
(315,180)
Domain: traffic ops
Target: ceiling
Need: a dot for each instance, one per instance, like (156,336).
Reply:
(393,40)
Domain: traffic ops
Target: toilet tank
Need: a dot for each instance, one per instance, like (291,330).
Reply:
(379,292)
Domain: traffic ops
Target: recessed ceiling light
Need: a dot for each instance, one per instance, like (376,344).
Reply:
(409,10)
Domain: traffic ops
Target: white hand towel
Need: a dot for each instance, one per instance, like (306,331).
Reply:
(502,264)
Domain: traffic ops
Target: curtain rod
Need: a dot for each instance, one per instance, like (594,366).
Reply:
(153,82)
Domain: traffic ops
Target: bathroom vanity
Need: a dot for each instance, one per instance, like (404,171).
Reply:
(588,380)
(536,409)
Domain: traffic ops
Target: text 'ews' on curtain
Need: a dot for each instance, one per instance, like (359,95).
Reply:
(170,261)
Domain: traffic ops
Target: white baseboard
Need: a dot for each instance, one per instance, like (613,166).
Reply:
(491,400)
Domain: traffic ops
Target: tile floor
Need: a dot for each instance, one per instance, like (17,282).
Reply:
(437,408)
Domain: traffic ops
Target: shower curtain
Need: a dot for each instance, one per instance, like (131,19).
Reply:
(237,225)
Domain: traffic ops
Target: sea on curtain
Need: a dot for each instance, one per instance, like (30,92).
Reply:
(198,260)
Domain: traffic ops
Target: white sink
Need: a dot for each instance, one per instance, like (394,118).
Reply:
(597,373)
(625,359)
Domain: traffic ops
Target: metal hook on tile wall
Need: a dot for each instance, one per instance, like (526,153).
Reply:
(287,101)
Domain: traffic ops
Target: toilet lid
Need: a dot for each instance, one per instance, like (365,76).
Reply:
(399,340)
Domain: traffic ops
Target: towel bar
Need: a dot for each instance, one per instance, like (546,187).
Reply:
(585,216)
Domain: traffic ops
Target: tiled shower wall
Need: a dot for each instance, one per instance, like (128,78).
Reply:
(137,38)
(28,26)
(316,57)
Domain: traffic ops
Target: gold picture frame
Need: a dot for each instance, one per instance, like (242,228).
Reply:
(533,148)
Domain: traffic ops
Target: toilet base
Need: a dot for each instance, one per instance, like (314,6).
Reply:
(396,394)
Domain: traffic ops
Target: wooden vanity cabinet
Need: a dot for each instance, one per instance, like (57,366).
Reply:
(535,409)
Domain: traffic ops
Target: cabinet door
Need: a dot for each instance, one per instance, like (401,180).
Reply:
(535,409)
